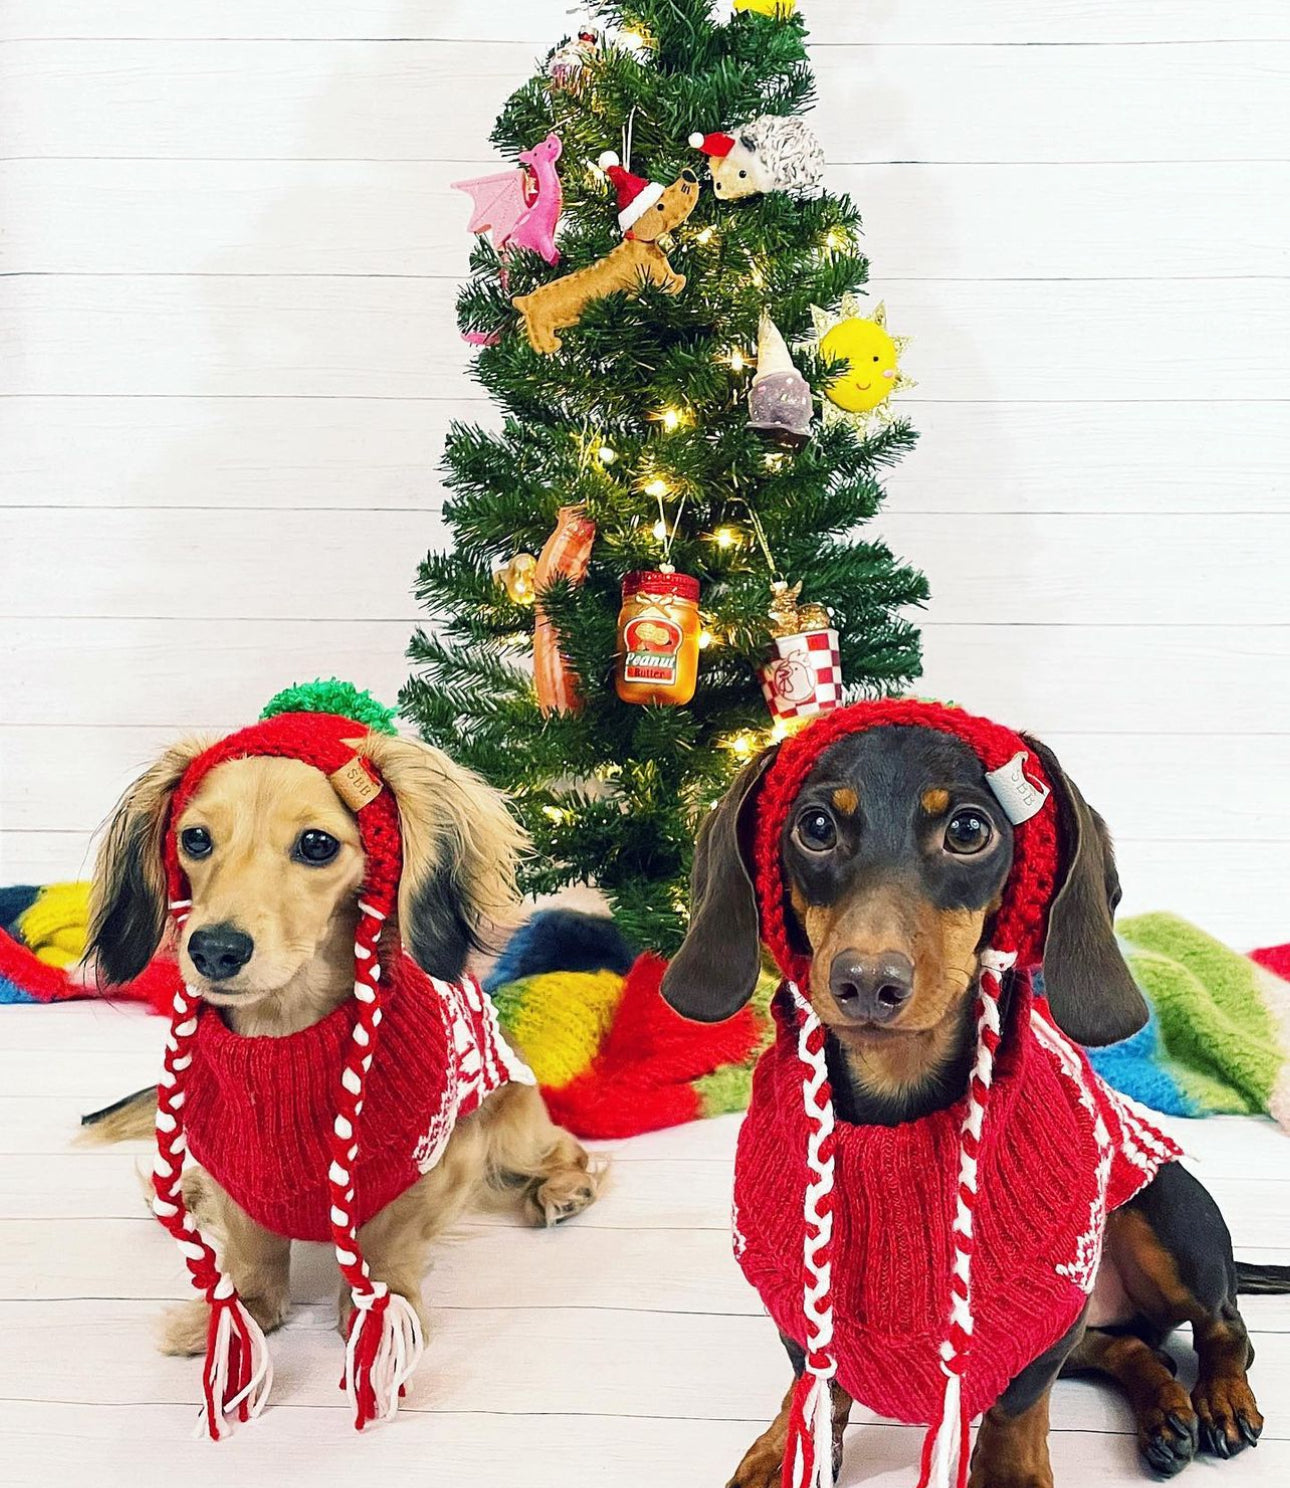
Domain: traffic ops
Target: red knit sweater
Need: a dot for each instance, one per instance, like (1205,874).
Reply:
(1060,1151)
(259,1111)
(889,1214)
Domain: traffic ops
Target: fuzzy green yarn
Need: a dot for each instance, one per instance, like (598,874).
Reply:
(331,695)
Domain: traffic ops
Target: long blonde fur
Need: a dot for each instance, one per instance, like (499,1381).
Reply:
(449,815)
(459,836)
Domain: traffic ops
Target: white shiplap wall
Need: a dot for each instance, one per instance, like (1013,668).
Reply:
(227,361)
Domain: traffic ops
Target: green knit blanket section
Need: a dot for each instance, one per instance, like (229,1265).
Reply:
(1219,1035)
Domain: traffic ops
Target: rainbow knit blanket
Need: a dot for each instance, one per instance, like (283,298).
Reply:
(1218,1040)
(614,1060)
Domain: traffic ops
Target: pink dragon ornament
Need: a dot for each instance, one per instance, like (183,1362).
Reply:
(520,208)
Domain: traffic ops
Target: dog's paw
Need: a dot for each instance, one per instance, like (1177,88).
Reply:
(1167,1432)
(183,1329)
(1229,1418)
(345,1308)
(561,1195)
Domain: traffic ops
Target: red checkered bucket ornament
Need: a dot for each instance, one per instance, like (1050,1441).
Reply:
(804,677)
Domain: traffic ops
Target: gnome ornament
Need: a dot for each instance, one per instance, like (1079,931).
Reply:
(769,153)
(779,401)
(567,65)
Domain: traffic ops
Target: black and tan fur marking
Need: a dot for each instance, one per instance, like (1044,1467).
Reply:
(894,912)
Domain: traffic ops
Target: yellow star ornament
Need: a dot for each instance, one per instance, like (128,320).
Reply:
(767,7)
(860,394)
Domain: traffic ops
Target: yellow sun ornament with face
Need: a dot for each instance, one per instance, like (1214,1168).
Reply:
(859,394)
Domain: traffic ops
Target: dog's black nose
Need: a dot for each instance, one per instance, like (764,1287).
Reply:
(220,951)
(688,175)
(871,989)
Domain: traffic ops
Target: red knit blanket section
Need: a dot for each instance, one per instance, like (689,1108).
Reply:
(258,1111)
(1060,1151)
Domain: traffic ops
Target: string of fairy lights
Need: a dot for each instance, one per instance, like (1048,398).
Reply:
(649,473)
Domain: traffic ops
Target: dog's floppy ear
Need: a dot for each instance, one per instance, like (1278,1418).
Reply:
(128,895)
(461,847)
(713,974)
(1090,989)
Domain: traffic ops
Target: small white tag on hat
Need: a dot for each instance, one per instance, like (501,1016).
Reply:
(1020,795)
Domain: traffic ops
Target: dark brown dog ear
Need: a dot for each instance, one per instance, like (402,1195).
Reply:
(1089,987)
(713,974)
(128,895)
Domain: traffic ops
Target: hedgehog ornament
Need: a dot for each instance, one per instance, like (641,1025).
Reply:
(769,153)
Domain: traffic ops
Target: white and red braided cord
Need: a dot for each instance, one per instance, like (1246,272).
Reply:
(238,1372)
(385,1336)
(945,1450)
(808,1456)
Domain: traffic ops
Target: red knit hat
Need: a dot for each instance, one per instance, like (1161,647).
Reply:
(636,195)
(714,146)
(385,1339)
(1018,782)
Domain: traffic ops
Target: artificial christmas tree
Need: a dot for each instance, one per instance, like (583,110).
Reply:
(637,416)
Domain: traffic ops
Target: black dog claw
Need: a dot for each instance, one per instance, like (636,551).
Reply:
(1172,1447)
(1250,1432)
(1187,1429)
(1214,1440)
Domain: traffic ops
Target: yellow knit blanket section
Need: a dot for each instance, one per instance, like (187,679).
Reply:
(557,1019)
(56,925)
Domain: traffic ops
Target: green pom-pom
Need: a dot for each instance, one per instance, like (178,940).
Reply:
(331,695)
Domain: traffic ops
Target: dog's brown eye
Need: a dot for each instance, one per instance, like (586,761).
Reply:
(968,832)
(816,830)
(196,842)
(316,847)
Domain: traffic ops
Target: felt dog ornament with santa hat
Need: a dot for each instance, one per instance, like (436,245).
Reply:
(922,1265)
(647,211)
(769,153)
(315,1133)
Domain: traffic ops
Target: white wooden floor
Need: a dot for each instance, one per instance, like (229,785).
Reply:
(623,1351)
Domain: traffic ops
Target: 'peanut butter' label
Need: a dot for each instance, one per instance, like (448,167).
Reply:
(653,643)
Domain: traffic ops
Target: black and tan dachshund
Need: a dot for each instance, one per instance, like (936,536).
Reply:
(895,853)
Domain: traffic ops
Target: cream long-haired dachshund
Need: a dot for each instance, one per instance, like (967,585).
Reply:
(270,943)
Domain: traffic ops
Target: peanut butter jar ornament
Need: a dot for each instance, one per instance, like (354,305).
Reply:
(658,637)
(565,555)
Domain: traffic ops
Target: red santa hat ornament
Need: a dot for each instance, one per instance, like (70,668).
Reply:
(714,146)
(636,195)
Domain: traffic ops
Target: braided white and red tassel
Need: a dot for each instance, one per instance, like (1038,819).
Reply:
(238,1372)
(945,1450)
(808,1454)
(385,1336)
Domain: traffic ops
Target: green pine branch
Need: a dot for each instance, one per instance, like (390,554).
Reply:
(642,419)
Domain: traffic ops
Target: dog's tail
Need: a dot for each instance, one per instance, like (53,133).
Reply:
(132,1117)
(1268,1280)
